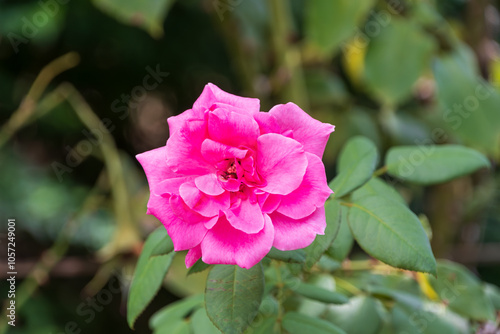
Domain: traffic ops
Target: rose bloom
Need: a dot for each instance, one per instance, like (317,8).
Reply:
(232,181)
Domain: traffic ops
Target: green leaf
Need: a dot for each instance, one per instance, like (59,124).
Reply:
(433,164)
(462,291)
(201,324)
(493,293)
(267,325)
(297,323)
(357,148)
(233,296)
(359,316)
(175,312)
(148,276)
(390,232)
(401,321)
(163,247)
(329,23)
(377,187)
(148,15)
(342,244)
(198,267)
(317,293)
(327,264)
(325,88)
(395,59)
(295,256)
(309,306)
(357,162)
(468,104)
(178,327)
(431,319)
(411,314)
(322,242)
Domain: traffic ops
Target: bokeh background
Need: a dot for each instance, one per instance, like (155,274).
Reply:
(86,85)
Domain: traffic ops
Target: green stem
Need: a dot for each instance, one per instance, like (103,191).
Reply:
(28,108)
(289,78)
(279,295)
(52,256)
(126,235)
(381,171)
(346,286)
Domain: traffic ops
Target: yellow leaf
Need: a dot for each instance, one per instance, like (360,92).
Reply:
(353,60)
(426,287)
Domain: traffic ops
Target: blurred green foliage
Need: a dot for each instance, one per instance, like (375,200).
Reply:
(400,72)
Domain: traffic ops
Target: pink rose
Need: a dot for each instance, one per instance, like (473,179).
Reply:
(233,181)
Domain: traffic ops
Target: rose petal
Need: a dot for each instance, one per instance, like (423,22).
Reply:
(282,162)
(192,256)
(271,203)
(184,235)
(232,129)
(175,123)
(171,186)
(291,234)
(231,185)
(267,123)
(212,94)
(246,216)
(207,206)
(224,244)
(154,164)
(184,149)
(312,192)
(310,132)
(209,184)
(214,152)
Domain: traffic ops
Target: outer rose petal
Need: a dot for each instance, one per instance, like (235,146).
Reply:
(171,186)
(291,234)
(310,132)
(175,123)
(224,244)
(282,162)
(192,256)
(184,149)
(185,213)
(312,192)
(267,123)
(212,94)
(185,235)
(154,164)
(232,129)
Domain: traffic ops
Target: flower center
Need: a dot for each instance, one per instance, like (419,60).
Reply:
(230,173)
